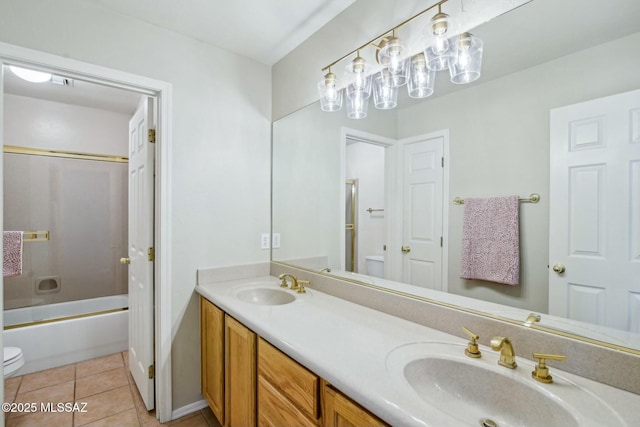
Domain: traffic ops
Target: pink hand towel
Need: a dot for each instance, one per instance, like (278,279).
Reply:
(12,253)
(491,240)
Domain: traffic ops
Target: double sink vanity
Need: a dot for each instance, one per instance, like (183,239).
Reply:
(276,356)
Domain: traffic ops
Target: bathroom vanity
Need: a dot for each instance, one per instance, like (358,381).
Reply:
(272,356)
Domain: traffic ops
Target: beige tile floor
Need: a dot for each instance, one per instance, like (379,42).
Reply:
(104,384)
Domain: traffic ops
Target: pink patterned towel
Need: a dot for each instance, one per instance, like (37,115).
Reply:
(491,240)
(12,253)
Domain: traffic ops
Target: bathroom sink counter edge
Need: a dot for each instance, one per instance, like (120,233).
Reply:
(348,345)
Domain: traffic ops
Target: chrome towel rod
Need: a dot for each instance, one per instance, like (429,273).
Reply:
(533,198)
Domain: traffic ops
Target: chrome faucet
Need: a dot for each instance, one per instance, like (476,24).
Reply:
(283,283)
(327,269)
(507,355)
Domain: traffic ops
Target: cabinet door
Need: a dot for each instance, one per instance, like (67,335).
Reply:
(212,356)
(240,374)
(340,411)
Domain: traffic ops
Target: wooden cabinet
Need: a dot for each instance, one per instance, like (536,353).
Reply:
(340,411)
(212,356)
(247,382)
(288,393)
(240,374)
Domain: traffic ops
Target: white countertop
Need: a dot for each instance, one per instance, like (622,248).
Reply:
(348,344)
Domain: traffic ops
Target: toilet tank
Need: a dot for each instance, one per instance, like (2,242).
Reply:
(375,265)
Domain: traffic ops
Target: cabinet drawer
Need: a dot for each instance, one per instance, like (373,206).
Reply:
(292,380)
(274,410)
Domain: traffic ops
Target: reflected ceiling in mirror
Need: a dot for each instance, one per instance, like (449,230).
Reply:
(497,143)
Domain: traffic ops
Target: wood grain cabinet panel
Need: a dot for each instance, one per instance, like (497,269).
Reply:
(240,374)
(340,411)
(275,410)
(212,356)
(295,382)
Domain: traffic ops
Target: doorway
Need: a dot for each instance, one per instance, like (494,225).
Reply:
(13,55)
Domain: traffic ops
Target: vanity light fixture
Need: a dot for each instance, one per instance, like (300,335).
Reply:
(32,76)
(421,77)
(385,91)
(330,95)
(391,54)
(462,55)
(359,90)
(439,52)
(465,61)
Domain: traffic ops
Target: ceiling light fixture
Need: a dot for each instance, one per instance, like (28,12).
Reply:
(462,55)
(30,75)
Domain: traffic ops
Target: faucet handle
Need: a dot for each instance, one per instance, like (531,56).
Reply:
(301,285)
(283,281)
(472,349)
(541,372)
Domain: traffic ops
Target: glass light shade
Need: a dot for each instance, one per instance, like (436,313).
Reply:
(391,55)
(356,72)
(361,87)
(30,75)
(466,60)
(385,93)
(330,95)
(357,106)
(438,53)
(421,78)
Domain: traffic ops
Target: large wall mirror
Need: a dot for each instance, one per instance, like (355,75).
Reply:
(336,178)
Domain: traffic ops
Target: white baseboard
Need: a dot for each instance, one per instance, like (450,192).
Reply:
(185,410)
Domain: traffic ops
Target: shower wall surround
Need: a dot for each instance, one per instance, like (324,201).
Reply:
(82,203)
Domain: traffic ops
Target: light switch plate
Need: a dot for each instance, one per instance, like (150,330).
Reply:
(264,241)
(275,240)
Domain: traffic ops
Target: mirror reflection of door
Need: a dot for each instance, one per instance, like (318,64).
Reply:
(422,213)
(594,241)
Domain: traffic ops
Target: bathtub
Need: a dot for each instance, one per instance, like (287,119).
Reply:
(73,336)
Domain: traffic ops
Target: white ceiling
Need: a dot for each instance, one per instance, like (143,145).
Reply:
(264,30)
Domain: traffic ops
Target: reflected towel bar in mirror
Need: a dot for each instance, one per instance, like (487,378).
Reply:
(35,236)
(533,198)
(374,210)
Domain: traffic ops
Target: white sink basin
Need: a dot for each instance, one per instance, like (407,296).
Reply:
(477,391)
(266,296)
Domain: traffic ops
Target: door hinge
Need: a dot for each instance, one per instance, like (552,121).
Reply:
(442,162)
(152,254)
(441,241)
(152,136)
(152,371)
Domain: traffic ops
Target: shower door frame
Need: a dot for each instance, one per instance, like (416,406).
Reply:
(15,55)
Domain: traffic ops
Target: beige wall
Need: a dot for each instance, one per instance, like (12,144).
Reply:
(220,158)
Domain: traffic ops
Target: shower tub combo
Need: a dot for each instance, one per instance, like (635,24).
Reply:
(59,334)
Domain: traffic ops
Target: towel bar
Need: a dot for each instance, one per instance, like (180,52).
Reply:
(533,198)
(35,236)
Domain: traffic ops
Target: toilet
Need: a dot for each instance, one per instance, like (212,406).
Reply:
(13,360)
(375,265)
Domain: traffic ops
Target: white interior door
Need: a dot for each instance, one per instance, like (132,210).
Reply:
(141,313)
(423,212)
(595,212)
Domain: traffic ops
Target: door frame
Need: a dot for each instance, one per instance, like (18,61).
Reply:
(369,138)
(15,55)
